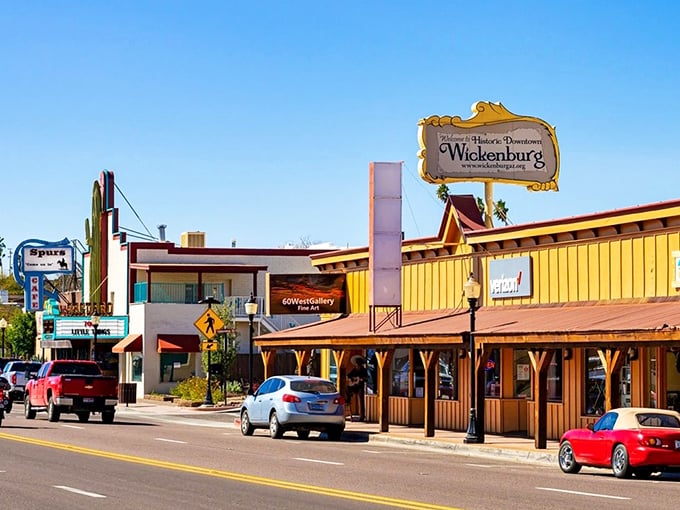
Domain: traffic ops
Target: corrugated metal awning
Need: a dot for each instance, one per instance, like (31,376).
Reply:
(572,324)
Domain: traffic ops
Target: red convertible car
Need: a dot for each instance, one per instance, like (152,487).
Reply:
(630,440)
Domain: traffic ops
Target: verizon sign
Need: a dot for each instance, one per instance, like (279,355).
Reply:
(494,145)
(510,277)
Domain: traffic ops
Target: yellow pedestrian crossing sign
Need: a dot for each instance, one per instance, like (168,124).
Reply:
(209,346)
(208,323)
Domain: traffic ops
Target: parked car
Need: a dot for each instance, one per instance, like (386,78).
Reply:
(629,440)
(17,373)
(294,402)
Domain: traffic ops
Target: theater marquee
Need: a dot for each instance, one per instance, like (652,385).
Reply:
(494,145)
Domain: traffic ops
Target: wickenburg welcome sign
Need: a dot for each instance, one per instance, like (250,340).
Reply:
(494,145)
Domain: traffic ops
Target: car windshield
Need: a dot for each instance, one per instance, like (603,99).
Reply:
(75,369)
(23,367)
(657,420)
(313,386)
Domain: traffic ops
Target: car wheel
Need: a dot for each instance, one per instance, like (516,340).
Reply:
(108,416)
(247,428)
(29,412)
(334,433)
(53,413)
(275,428)
(303,434)
(620,464)
(83,416)
(8,407)
(643,473)
(567,460)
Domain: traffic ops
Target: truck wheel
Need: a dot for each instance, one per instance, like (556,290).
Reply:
(107,416)
(29,412)
(53,412)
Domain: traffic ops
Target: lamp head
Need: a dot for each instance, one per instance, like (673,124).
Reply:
(251,306)
(472,289)
(3,323)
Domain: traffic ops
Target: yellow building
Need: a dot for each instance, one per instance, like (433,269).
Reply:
(576,316)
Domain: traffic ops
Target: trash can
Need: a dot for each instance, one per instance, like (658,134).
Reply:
(127,393)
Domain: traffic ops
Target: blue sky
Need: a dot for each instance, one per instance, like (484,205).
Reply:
(256,121)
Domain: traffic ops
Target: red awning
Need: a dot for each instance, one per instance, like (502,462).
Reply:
(131,343)
(178,343)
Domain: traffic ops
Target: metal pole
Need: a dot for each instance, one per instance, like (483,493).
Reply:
(250,355)
(208,392)
(471,435)
(95,329)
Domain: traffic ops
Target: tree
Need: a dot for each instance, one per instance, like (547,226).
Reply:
(500,211)
(21,335)
(443,192)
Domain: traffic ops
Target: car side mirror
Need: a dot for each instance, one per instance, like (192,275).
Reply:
(590,427)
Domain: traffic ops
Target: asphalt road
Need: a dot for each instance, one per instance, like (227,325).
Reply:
(181,463)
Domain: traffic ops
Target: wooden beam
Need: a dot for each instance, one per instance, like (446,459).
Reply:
(430,361)
(540,362)
(302,357)
(268,359)
(384,359)
(612,361)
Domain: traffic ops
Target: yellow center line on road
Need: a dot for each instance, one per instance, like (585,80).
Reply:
(258,480)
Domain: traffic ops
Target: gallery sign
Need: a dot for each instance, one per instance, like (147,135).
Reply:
(306,293)
(494,145)
(510,277)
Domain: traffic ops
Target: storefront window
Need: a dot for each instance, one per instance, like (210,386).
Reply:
(175,366)
(137,367)
(400,367)
(493,374)
(673,374)
(594,383)
(522,381)
(447,388)
(555,377)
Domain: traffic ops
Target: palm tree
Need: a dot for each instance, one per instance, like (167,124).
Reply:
(2,255)
(442,192)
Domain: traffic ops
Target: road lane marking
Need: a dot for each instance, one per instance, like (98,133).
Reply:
(72,427)
(319,461)
(237,477)
(579,493)
(479,465)
(78,491)
(169,440)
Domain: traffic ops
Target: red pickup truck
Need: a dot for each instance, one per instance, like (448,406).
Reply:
(71,386)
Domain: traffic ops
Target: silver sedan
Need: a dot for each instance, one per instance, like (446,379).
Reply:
(294,402)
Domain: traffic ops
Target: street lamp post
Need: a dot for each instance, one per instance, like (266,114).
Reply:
(3,327)
(208,400)
(472,290)
(251,310)
(95,319)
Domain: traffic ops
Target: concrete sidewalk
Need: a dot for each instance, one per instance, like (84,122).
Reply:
(520,449)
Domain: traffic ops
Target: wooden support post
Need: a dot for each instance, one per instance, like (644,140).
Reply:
(612,361)
(301,358)
(384,359)
(431,363)
(540,361)
(268,359)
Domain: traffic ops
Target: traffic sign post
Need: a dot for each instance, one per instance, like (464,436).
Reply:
(208,323)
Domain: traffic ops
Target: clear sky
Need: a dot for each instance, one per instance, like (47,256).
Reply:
(256,121)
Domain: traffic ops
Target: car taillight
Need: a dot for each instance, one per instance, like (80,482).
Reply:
(340,401)
(287,397)
(14,378)
(650,440)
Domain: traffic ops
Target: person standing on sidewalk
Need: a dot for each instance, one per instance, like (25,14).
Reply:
(356,385)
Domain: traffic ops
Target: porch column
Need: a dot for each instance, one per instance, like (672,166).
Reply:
(483,355)
(430,361)
(301,357)
(384,358)
(612,361)
(268,359)
(540,361)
